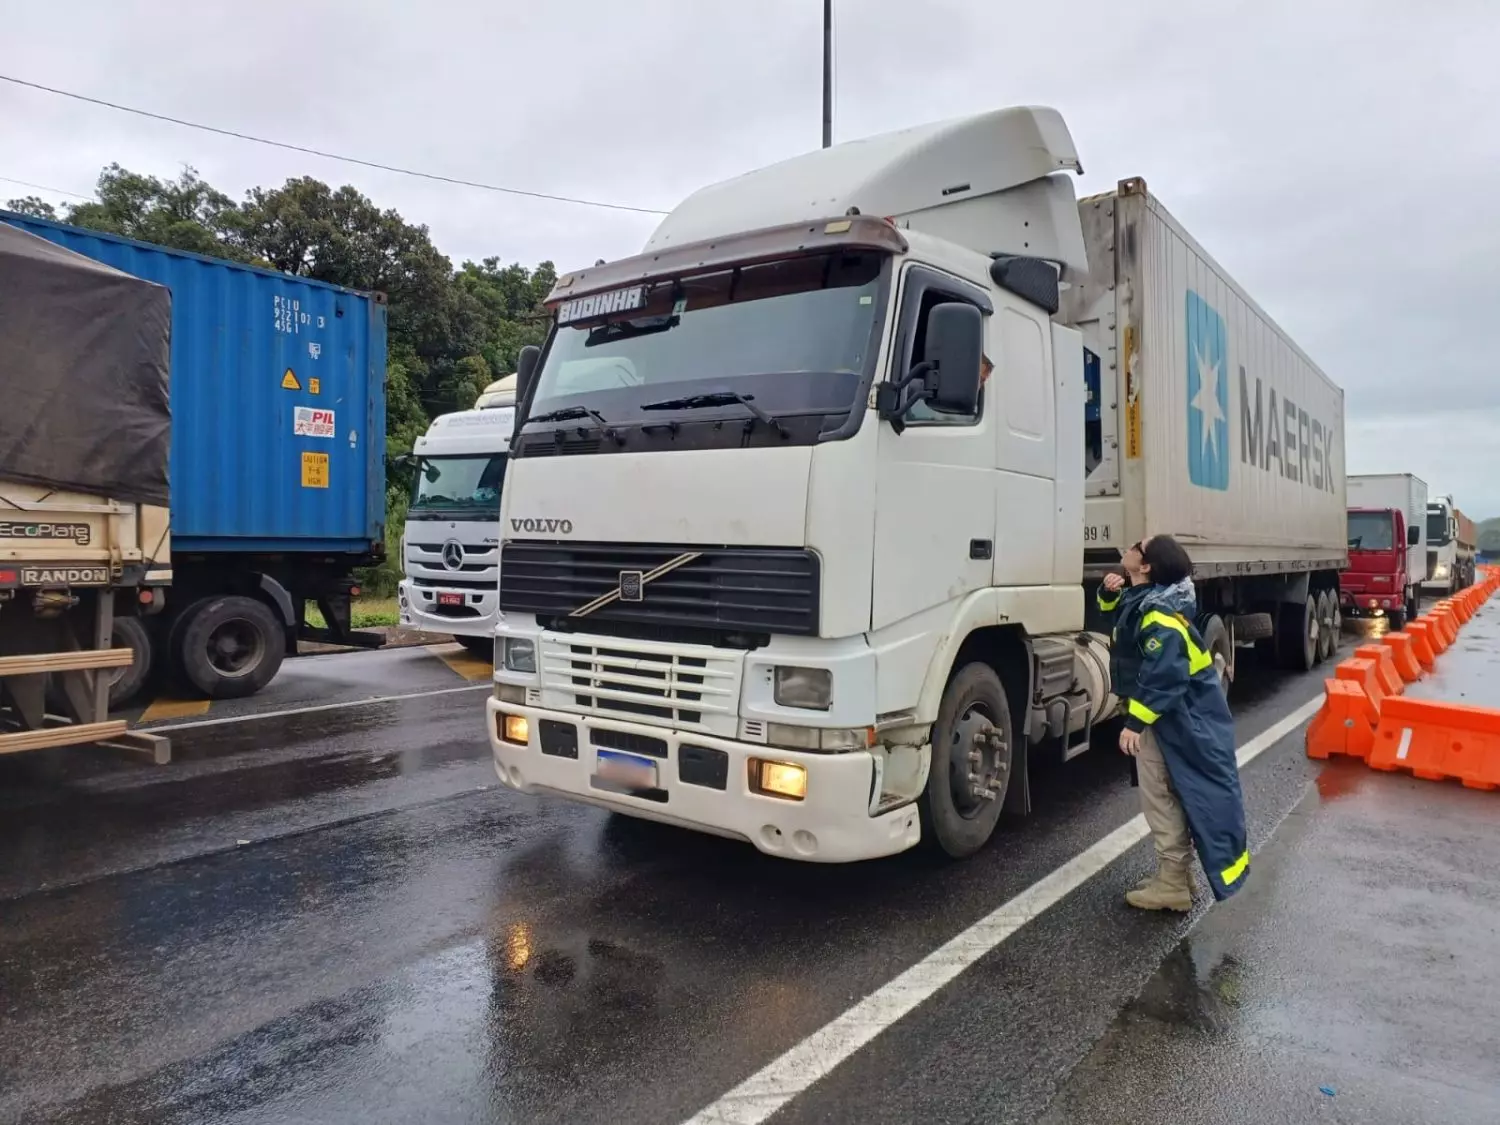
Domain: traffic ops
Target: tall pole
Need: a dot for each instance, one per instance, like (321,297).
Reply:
(827,73)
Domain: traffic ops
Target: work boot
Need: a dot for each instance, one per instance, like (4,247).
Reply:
(1169,889)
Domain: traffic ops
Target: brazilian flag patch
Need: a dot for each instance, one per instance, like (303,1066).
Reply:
(1153,645)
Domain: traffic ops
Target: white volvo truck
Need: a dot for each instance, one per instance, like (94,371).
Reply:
(782,561)
(450,551)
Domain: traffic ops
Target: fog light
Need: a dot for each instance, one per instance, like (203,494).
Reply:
(515,728)
(778,779)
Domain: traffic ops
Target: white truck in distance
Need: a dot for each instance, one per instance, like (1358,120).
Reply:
(450,551)
(778,563)
(1451,558)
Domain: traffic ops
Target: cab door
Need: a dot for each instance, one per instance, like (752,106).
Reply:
(935,490)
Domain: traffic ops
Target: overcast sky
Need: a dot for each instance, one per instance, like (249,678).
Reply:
(1338,157)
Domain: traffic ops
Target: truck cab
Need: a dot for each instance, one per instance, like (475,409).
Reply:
(450,551)
(1380,581)
(1450,558)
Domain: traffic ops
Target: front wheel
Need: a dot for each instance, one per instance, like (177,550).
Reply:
(972,748)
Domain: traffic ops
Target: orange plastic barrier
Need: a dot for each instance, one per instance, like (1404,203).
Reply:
(1448,617)
(1422,647)
(1437,633)
(1462,607)
(1365,673)
(1437,741)
(1402,656)
(1391,681)
(1345,724)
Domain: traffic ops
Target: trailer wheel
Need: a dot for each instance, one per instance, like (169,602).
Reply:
(1297,639)
(230,647)
(126,683)
(1328,631)
(972,747)
(1220,646)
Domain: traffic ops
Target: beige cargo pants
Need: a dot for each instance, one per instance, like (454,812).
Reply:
(1160,806)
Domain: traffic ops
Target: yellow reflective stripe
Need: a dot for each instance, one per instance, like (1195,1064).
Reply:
(1235,869)
(1139,710)
(1198,659)
(1107,604)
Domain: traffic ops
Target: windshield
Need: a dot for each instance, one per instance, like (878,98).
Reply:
(445,484)
(1371,531)
(798,335)
(1437,528)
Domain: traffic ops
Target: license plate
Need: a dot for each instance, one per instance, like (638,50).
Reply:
(628,770)
(450,599)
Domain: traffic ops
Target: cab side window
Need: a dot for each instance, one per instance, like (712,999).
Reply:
(915,318)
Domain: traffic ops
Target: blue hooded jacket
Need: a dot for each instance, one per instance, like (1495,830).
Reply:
(1166,680)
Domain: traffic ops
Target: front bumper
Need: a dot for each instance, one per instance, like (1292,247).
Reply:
(418,607)
(832,824)
(1370,603)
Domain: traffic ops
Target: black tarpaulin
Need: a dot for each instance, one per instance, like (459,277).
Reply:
(84,363)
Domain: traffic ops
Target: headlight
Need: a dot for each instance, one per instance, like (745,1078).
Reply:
(519,654)
(808,688)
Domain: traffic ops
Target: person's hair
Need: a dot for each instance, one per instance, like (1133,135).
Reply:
(1168,561)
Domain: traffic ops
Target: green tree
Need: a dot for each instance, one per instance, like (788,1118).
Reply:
(33,206)
(185,213)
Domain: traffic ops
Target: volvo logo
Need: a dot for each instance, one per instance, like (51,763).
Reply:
(630,585)
(453,554)
(546,527)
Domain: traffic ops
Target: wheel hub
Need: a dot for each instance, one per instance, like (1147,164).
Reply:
(979,762)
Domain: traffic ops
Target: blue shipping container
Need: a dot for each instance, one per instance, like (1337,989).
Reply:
(278,400)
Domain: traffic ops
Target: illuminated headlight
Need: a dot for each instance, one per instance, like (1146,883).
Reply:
(827,741)
(810,689)
(518,654)
(1441,571)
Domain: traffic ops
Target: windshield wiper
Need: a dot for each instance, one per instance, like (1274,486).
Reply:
(568,414)
(718,398)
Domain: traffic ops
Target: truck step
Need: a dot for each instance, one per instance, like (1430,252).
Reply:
(70,735)
(65,661)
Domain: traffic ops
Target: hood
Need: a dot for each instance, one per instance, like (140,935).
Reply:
(1179,598)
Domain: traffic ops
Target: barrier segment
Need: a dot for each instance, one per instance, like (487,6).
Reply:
(1365,673)
(1402,656)
(1422,648)
(1345,724)
(1437,634)
(1448,617)
(1391,681)
(1438,741)
(1463,608)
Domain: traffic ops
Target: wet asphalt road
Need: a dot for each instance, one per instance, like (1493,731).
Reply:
(335,916)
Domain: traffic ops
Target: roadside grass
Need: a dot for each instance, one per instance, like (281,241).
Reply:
(368,613)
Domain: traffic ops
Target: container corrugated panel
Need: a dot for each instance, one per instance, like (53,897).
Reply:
(278,400)
(1218,429)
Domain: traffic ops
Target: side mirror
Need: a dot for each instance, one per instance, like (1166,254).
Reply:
(526,369)
(954,347)
(1413,536)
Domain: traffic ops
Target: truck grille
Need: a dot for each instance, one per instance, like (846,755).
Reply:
(640,680)
(757,589)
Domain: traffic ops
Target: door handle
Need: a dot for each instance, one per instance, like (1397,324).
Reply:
(981,548)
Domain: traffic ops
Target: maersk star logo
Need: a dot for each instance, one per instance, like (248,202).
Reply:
(1208,395)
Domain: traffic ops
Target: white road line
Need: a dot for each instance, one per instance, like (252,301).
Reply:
(763,1093)
(314,709)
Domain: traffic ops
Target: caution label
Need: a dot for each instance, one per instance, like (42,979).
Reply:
(289,381)
(314,386)
(315,470)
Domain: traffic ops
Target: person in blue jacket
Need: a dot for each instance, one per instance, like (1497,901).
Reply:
(1177,727)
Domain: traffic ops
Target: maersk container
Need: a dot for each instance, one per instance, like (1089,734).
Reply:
(1212,425)
(278,400)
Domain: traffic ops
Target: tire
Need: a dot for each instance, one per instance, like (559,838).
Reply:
(954,821)
(127,683)
(1328,629)
(1297,642)
(1220,646)
(1397,619)
(481,648)
(230,647)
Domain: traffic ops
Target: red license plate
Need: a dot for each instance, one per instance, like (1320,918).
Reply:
(450,599)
